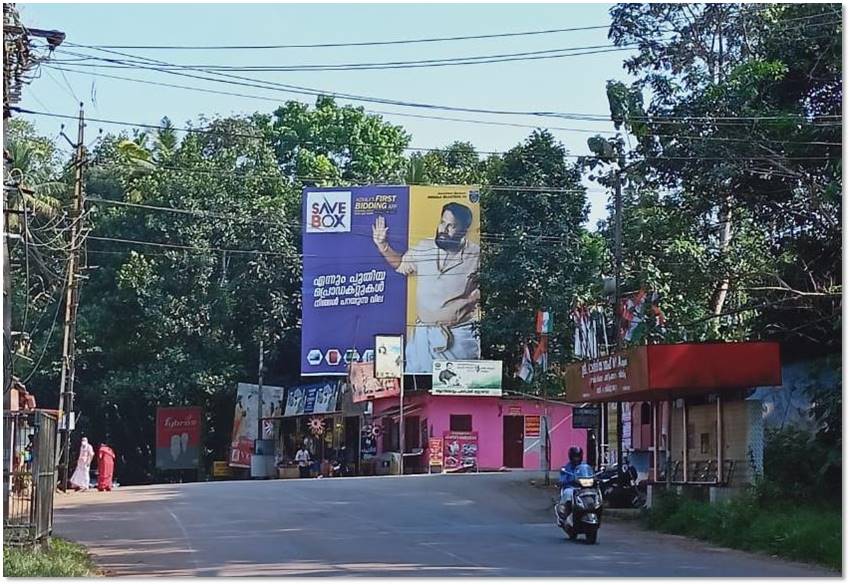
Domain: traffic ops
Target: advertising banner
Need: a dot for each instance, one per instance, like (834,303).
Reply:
(318,398)
(532,426)
(245,420)
(586,417)
(178,437)
(365,386)
(460,449)
(388,356)
(470,378)
(435,452)
(395,260)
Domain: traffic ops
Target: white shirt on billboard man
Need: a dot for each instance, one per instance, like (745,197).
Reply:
(447,295)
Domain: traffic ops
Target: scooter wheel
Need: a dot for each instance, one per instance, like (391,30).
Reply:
(591,537)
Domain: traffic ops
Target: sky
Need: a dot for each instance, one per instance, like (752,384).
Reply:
(571,84)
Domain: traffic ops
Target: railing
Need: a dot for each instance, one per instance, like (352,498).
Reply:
(29,476)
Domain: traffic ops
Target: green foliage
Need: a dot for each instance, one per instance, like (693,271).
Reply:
(802,531)
(62,559)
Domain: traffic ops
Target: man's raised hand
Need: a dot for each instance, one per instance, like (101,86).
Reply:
(379,232)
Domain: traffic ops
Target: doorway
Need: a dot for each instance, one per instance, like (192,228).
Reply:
(513,441)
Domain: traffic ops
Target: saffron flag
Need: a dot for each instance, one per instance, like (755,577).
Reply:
(544,322)
(541,352)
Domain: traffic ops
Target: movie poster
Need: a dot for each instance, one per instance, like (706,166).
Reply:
(394,260)
(245,419)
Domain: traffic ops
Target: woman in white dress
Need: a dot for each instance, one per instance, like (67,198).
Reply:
(82,474)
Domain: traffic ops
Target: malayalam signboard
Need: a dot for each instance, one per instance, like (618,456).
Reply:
(365,386)
(532,426)
(435,452)
(612,375)
(468,378)
(178,437)
(245,419)
(394,260)
(318,398)
(460,449)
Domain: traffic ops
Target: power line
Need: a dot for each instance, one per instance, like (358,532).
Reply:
(355,43)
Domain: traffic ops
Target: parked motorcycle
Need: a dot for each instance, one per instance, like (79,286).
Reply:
(620,488)
(579,510)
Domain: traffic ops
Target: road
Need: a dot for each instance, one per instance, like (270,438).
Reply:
(486,525)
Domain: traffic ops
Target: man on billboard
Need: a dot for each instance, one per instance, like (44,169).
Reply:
(447,294)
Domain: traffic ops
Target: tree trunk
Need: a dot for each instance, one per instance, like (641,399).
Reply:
(722,288)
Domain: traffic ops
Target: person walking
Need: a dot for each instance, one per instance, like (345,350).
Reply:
(105,467)
(82,474)
(302,458)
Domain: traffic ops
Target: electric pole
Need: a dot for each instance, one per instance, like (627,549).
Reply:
(66,386)
(618,265)
(260,394)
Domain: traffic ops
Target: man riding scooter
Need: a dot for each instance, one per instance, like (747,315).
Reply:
(568,477)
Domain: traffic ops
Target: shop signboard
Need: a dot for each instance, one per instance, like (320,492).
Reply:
(460,450)
(365,386)
(178,437)
(389,356)
(532,426)
(317,398)
(381,260)
(585,417)
(613,375)
(221,469)
(245,419)
(435,452)
(467,378)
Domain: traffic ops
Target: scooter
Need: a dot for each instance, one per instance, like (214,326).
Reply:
(584,512)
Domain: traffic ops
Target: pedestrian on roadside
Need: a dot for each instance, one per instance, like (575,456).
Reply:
(82,474)
(105,467)
(302,458)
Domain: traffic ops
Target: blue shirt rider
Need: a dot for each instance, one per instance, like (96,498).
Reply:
(568,479)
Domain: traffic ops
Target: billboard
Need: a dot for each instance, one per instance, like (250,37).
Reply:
(460,450)
(470,378)
(245,420)
(395,260)
(178,437)
(365,386)
(388,356)
(318,398)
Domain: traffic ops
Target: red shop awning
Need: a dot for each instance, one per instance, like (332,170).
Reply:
(668,371)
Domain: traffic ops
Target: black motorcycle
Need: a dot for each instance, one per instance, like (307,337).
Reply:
(620,488)
(582,513)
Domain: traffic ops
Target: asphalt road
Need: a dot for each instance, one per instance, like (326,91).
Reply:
(486,525)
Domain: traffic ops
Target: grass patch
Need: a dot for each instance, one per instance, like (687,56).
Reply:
(798,532)
(62,559)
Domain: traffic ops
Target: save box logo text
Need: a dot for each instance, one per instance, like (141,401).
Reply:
(328,211)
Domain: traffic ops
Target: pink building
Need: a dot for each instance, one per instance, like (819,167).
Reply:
(509,430)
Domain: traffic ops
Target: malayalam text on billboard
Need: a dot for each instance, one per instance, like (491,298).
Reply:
(395,260)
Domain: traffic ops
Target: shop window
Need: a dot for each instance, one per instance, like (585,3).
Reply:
(390,435)
(645,414)
(461,423)
(411,434)
(704,443)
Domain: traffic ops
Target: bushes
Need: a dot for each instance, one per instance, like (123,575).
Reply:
(801,531)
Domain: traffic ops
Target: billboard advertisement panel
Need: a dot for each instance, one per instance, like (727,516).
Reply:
(467,378)
(245,420)
(395,260)
(366,386)
(178,437)
(319,398)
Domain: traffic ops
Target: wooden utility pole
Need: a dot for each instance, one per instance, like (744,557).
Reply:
(66,387)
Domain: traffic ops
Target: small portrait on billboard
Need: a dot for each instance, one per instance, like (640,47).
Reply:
(445,267)
(448,376)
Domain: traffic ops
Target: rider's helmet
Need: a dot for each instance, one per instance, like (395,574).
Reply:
(576,455)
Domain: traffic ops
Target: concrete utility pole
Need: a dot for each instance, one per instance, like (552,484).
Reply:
(66,387)
(260,394)
(618,265)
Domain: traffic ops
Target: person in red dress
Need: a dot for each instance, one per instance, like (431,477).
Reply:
(105,467)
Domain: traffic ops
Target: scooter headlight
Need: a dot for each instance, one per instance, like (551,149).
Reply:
(585,482)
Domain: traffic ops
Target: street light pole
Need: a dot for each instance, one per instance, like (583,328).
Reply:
(401,413)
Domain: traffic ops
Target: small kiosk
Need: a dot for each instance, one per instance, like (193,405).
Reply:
(701,429)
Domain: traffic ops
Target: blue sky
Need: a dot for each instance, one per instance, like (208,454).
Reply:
(572,84)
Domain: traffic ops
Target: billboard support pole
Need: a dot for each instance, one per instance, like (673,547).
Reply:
(401,414)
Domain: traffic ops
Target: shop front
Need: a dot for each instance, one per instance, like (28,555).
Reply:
(689,420)
(476,432)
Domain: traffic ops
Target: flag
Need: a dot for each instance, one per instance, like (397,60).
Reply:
(544,322)
(525,371)
(541,353)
